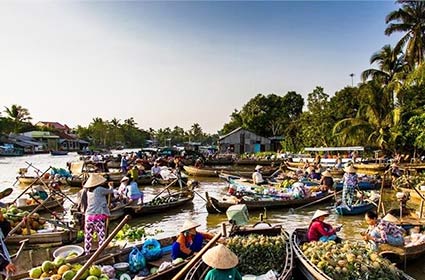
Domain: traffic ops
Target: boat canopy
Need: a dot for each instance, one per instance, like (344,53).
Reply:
(332,149)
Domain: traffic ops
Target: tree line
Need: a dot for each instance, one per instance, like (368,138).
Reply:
(385,111)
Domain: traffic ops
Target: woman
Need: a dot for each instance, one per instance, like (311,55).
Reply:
(223,261)
(133,193)
(188,241)
(97,209)
(319,230)
(326,182)
(384,230)
(350,181)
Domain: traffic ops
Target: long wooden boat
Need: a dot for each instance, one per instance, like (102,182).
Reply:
(400,254)
(334,172)
(51,203)
(215,206)
(344,210)
(370,167)
(414,196)
(307,268)
(27,180)
(214,172)
(58,153)
(200,269)
(42,239)
(172,201)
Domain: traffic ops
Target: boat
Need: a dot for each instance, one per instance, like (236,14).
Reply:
(58,153)
(9,150)
(28,180)
(370,167)
(214,172)
(307,268)
(333,171)
(359,209)
(200,269)
(162,203)
(51,203)
(215,206)
(414,194)
(263,162)
(362,185)
(44,238)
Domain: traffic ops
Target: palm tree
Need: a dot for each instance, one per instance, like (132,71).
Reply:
(410,19)
(18,115)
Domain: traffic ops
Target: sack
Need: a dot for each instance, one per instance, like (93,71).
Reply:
(136,260)
(152,249)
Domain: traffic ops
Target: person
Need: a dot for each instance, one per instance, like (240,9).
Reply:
(319,230)
(123,164)
(40,192)
(133,193)
(395,172)
(121,192)
(384,230)
(97,210)
(188,241)
(350,181)
(199,163)
(134,172)
(6,265)
(223,261)
(338,163)
(257,177)
(326,182)
(156,170)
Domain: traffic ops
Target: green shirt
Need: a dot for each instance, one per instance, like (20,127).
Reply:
(223,274)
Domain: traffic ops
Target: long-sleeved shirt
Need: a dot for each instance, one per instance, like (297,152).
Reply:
(97,202)
(318,229)
(386,229)
(223,274)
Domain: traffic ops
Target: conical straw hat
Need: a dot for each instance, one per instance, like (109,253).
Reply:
(189,224)
(326,174)
(319,213)
(220,257)
(258,167)
(350,169)
(390,218)
(94,180)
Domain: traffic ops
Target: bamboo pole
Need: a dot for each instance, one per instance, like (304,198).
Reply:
(195,259)
(36,180)
(101,248)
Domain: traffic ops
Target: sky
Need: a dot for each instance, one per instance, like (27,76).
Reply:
(178,63)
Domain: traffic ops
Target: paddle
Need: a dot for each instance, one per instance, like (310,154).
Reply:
(195,259)
(101,248)
(292,210)
(35,181)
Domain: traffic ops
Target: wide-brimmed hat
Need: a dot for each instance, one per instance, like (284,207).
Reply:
(258,167)
(326,174)
(220,257)
(189,224)
(319,213)
(350,169)
(125,178)
(94,181)
(390,218)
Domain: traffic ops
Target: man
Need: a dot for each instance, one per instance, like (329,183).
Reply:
(156,170)
(257,177)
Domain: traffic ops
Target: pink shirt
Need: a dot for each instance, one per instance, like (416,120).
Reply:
(318,229)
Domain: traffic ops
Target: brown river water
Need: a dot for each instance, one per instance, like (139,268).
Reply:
(166,224)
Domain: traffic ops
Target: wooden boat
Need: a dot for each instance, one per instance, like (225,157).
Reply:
(370,167)
(414,196)
(51,203)
(41,238)
(400,254)
(344,210)
(170,201)
(362,185)
(58,153)
(200,269)
(215,206)
(334,172)
(257,161)
(214,172)
(307,268)
(27,180)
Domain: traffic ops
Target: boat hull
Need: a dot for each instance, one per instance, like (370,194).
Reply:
(355,209)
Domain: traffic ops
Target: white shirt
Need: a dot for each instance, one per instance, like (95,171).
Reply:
(257,178)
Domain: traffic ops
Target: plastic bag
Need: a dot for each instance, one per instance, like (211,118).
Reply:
(136,260)
(152,249)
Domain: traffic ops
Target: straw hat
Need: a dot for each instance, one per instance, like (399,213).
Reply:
(258,167)
(390,218)
(189,224)
(319,213)
(220,257)
(94,180)
(125,178)
(350,169)
(326,174)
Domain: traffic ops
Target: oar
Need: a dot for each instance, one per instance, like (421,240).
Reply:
(195,259)
(292,210)
(166,188)
(35,181)
(101,248)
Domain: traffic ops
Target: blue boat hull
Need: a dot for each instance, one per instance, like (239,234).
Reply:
(364,186)
(354,210)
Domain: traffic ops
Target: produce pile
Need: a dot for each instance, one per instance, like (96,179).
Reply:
(287,183)
(15,215)
(258,253)
(59,269)
(162,200)
(349,260)
(131,234)
(409,181)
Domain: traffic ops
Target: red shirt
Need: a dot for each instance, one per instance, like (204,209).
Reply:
(318,229)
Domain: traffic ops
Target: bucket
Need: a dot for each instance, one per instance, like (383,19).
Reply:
(21,202)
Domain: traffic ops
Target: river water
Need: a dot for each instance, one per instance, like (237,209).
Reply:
(166,224)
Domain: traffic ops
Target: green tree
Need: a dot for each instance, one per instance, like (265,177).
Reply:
(409,19)
(19,116)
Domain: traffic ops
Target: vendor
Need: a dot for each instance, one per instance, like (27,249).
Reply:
(319,230)
(188,241)
(223,261)
(326,182)
(257,177)
(384,230)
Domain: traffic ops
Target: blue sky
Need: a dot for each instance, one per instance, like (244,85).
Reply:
(176,63)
